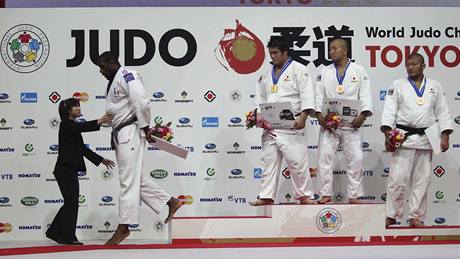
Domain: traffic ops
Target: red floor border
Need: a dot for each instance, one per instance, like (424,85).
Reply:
(196,243)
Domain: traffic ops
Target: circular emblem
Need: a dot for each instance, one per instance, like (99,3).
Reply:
(54,123)
(106,175)
(328,220)
(159,226)
(5,227)
(235,95)
(210,172)
(24,48)
(29,147)
(81,198)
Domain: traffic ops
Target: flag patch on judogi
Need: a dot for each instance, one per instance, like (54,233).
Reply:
(128,77)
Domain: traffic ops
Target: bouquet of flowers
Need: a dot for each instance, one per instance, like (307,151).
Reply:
(251,119)
(396,137)
(161,130)
(333,120)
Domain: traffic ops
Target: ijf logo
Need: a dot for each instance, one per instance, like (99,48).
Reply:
(328,220)
(24,48)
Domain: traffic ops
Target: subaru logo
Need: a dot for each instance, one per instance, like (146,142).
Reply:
(386,170)
(133,225)
(80,120)
(364,145)
(440,220)
(210,146)
(235,120)
(184,120)
(4,200)
(158,95)
(29,122)
(107,199)
(54,147)
(236,171)
(4,96)
(81,174)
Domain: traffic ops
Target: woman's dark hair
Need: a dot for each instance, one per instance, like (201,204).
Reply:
(65,106)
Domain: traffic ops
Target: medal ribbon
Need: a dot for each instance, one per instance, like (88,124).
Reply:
(340,79)
(417,91)
(276,79)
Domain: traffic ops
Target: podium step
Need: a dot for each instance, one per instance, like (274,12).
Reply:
(357,221)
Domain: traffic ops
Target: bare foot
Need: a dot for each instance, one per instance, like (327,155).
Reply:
(325,200)
(261,202)
(416,223)
(120,234)
(389,221)
(307,201)
(174,204)
(354,201)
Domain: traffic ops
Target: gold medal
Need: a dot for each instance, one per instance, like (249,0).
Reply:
(274,88)
(340,89)
(420,101)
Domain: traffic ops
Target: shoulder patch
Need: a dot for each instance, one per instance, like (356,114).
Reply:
(128,77)
(390,91)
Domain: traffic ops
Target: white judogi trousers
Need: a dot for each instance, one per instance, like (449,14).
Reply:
(408,165)
(327,147)
(293,148)
(134,184)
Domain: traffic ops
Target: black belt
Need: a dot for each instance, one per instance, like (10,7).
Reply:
(410,130)
(114,134)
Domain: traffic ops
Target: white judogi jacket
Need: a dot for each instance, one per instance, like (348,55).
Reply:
(126,98)
(356,84)
(295,86)
(401,108)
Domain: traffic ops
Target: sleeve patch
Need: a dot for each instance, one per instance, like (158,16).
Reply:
(128,77)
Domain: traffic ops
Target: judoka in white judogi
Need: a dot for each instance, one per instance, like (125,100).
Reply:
(354,85)
(126,99)
(294,86)
(412,109)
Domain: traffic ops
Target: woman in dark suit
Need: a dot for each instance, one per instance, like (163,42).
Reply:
(69,162)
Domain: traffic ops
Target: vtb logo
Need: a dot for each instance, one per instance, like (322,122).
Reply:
(130,36)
